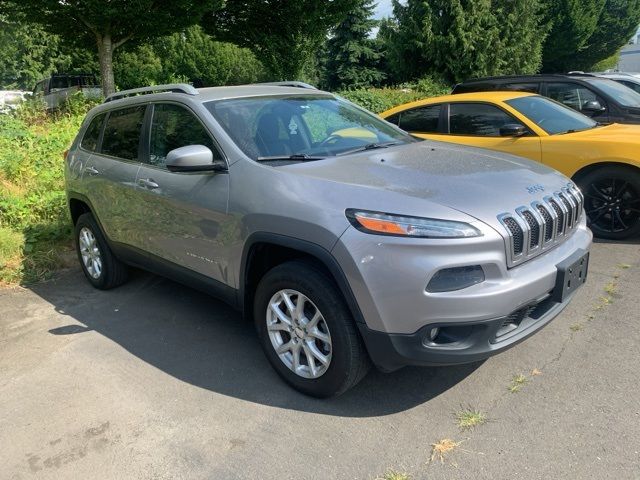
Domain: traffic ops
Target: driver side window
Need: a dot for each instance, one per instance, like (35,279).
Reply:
(173,127)
(572,95)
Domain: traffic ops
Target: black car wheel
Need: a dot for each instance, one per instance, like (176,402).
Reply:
(612,202)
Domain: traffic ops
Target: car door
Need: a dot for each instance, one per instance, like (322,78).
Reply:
(478,124)
(182,216)
(109,174)
(577,96)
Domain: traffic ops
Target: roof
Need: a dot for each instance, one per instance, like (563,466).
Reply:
(532,77)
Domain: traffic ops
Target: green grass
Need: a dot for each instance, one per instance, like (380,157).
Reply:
(517,383)
(469,418)
(393,475)
(34,223)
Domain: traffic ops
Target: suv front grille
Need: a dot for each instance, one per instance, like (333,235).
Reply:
(533,229)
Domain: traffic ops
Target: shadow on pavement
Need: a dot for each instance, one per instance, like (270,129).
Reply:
(203,342)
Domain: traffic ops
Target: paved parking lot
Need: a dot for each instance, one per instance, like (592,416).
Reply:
(156,381)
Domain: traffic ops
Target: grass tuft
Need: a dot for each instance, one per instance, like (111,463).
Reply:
(576,327)
(611,288)
(393,475)
(623,266)
(517,383)
(469,418)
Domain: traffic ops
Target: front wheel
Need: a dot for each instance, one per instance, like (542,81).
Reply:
(612,202)
(307,331)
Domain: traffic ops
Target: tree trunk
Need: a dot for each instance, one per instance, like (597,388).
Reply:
(105,52)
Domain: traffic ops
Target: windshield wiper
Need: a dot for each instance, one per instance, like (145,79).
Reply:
(298,157)
(369,146)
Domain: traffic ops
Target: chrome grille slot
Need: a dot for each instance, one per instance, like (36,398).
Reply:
(547,220)
(535,228)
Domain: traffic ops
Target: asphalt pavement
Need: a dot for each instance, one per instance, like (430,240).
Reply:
(156,381)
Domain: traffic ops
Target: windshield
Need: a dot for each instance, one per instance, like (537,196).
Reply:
(305,126)
(622,94)
(551,116)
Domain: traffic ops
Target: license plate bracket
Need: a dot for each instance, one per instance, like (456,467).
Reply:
(572,273)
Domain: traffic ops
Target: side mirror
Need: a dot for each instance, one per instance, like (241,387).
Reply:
(512,130)
(592,106)
(193,158)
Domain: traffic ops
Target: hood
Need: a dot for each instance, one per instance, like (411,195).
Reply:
(615,134)
(478,182)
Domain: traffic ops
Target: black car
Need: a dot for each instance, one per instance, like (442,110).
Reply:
(604,100)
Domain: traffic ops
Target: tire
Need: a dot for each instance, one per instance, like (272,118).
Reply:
(612,202)
(347,362)
(111,272)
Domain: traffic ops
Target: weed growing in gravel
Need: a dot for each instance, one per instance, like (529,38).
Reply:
(442,449)
(624,266)
(576,327)
(611,288)
(469,418)
(393,475)
(517,383)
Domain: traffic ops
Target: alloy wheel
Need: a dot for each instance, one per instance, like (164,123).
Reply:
(612,205)
(90,252)
(299,333)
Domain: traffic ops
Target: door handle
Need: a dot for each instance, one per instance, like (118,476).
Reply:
(91,171)
(148,183)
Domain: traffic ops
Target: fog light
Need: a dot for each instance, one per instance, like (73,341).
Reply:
(457,278)
(433,333)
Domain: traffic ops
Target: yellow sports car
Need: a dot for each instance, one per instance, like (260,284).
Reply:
(604,160)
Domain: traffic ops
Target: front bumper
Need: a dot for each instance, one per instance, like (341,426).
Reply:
(389,277)
(479,341)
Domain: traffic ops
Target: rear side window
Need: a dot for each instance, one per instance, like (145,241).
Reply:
(122,133)
(174,127)
(477,119)
(92,134)
(421,120)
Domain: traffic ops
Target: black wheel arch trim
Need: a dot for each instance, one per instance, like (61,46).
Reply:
(313,249)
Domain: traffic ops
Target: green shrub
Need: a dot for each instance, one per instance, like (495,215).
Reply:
(33,212)
(378,100)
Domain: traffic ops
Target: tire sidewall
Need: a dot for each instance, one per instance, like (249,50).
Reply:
(322,292)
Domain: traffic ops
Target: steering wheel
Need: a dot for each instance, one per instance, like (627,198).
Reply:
(330,139)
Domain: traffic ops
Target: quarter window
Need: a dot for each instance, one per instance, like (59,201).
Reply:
(122,133)
(571,94)
(477,119)
(174,127)
(422,119)
(92,134)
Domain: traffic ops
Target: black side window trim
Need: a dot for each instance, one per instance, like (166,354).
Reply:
(145,148)
(530,133)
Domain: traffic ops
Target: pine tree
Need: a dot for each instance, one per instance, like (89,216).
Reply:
(352,55)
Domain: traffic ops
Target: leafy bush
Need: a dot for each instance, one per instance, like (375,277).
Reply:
(378,100)
(33,213)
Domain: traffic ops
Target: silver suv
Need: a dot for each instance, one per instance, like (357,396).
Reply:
(346,240)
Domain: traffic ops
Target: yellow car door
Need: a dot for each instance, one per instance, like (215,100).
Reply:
(477,124)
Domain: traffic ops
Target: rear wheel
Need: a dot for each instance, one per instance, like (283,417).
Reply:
(307,331)
(100,266)
(612,202)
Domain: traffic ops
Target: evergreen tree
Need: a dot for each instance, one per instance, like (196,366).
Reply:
(352,56)
(460,39)
(572,23)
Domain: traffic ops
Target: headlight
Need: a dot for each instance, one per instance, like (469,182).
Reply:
(390,224)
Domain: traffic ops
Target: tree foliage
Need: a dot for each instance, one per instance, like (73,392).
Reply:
(283,34)
(459,39)
(353,57)
(105,26)
(586,32)
(28,54)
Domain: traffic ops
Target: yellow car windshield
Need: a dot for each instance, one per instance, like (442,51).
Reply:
(553,117)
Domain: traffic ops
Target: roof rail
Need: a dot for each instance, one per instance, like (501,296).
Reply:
(170,87)
(293,83)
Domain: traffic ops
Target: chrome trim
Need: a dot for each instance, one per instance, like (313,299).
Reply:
(574,199)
